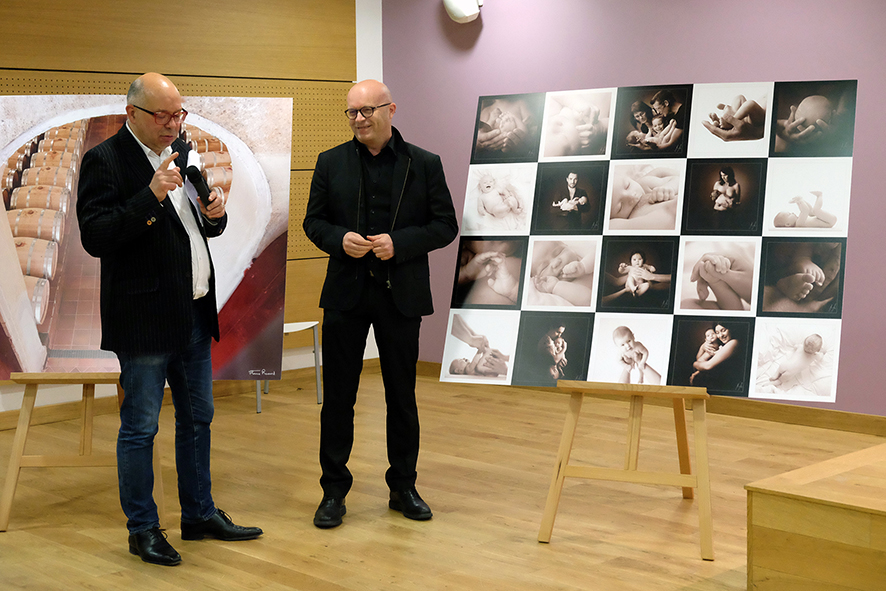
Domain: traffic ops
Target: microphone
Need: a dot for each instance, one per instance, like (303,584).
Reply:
(193,174)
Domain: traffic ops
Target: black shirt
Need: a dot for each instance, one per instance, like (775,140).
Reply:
(377,199)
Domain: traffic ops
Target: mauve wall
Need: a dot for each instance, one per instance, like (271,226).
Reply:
(437,69)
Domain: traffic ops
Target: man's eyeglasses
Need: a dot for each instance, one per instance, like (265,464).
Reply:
(365,111)
(162,117)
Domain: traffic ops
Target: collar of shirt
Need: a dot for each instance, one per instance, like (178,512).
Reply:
(389,150)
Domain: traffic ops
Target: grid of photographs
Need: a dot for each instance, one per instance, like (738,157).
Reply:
(681,234)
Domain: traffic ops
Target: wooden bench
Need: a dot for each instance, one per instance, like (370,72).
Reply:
(821,527)
(85,458)
(685,479)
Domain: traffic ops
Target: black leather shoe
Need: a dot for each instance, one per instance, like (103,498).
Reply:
(151,546)
(220,527)
(410,504)
(330,512)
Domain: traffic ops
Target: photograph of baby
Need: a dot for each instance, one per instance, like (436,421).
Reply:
(630,348)
(635,275)
(712,352)
(576,123)
(802,277)
(795,359)
(480,346)
(508,128)
(644,196)
(498,199)
(730,120)
(488,273)
(650,121)
(813,118)
(807,197)
(718,275)
(561,273)
(724,197)
(569,198)
(552,346)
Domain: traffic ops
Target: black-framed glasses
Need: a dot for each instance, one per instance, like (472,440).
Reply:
(162,117)
(365,111)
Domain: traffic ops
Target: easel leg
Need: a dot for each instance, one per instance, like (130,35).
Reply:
(15,458)
(553,501)
(635,420)
(683,444)
(705,519)
(86,419)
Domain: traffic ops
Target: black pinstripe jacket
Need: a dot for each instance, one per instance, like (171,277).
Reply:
(146,286)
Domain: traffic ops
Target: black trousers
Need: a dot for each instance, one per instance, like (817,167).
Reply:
(344,341)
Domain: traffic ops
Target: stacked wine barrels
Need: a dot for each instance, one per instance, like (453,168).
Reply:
(37,183)
(215,159)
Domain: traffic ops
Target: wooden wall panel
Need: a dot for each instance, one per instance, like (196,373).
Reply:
(308,39)
(304,279)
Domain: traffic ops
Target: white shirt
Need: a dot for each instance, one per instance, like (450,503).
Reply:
(199,252)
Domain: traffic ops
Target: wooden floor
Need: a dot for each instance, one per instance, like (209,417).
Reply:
(485,466)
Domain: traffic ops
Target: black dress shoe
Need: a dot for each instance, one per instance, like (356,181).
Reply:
(410,504)
(330,512)
(151,546)
(220,527)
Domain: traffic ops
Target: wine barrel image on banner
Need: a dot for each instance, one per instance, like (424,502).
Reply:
(77,133)
(209,144)
(61,145)
(219,177)
(213,160)
(37,257)
(54,158)
(38,293)
(33,222)
(57,176)
(42,196)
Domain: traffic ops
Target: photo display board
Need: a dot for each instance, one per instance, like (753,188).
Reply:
(681,235)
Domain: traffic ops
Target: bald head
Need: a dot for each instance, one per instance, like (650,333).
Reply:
(372,90)
(374,131)
(149,85)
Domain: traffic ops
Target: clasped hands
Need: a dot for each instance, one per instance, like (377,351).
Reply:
(356,245)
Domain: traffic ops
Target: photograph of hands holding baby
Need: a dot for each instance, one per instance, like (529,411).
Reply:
(470,351)
(508,128)
(488,273)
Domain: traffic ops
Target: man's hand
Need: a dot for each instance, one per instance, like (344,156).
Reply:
(382,246)
(216,207)
(355,245)
(166,179)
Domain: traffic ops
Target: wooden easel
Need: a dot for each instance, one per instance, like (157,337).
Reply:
(85,457)
(686,480)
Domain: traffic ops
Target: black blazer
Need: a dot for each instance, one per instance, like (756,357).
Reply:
(422,219)
(147,304)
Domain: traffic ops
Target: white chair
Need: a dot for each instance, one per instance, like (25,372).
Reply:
(289,328)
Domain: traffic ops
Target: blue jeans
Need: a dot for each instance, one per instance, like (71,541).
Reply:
(143,377)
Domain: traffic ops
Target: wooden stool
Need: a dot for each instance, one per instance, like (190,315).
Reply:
(18,460)
(686,480)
